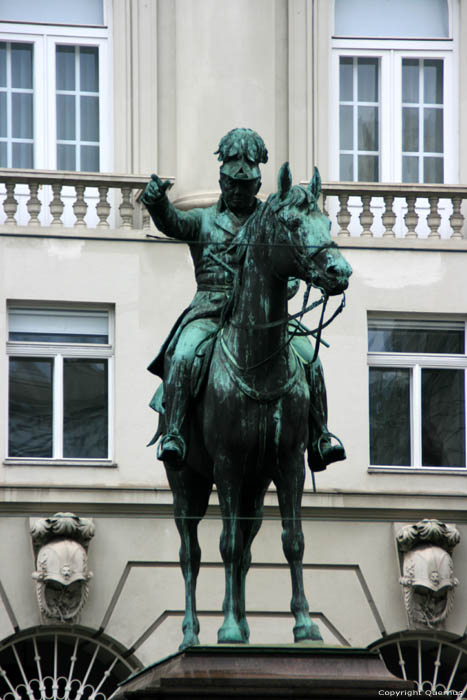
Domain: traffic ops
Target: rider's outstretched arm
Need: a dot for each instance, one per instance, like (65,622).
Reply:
(171,221)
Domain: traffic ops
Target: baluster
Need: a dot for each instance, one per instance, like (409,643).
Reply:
(10,205)
(33,205)
(80,206)
(325,211)
(103,208)
(146,219)
(126,208)
(56,206)
(457,218)
(344,216)
(433,219)
(366,217)
(411,217)
(389,218)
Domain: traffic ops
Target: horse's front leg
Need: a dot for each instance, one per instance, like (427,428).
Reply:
(289,491)
(191,496)
(231,548)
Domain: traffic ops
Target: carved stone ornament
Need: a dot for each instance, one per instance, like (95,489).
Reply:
(428,572)
(62,577)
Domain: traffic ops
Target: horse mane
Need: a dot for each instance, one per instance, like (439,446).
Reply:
(256,227)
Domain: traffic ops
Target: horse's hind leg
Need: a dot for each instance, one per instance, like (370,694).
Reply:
(289,492)
(191,496)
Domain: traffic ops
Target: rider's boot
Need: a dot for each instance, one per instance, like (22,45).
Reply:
(172,445)
(321,448)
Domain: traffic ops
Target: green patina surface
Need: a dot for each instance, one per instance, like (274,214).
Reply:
(239,407)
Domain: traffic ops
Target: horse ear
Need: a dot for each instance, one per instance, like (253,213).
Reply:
(315,184)
(284,181)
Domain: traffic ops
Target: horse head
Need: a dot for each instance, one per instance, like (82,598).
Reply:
(302,239)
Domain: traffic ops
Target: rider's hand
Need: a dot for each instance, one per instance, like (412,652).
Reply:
(155,190)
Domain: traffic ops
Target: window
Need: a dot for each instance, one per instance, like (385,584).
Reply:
(53,102)
(417,375)
(59,384)
(394,91)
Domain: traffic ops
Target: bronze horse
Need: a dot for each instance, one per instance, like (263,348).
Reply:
(249,426)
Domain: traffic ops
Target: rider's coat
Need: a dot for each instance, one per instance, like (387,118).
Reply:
(213,235)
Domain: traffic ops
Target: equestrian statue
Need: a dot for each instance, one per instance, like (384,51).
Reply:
(243,393)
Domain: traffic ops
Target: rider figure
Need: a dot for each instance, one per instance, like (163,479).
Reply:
(212,235)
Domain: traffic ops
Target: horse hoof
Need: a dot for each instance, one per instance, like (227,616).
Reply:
(189,640)
(305,632)
(230,634)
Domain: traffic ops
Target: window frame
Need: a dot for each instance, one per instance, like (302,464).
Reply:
(58,352)
(45,38)
(390,54)
(416,362)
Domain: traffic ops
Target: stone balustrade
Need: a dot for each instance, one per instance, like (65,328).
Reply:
(396,210)
(35,198)
(46,194)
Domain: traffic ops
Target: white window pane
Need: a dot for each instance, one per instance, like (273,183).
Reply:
(22,117)
(89,68)
(410,136)
(346,168)
(66,157)
(368,137)
(410,166)
(90,159)
(66,117)
(410,80)
(89,118)
(2,64)
(65,67)
(68,324)
(3,115)
(392,18)
(346,128)
(433,130)
(53,11)
(433,82)
(22,155)
(367,80)
(21,65)
(346,79)
(368,168)
(433,170)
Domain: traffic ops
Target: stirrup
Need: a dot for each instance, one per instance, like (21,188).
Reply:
(319,458)
(327,436)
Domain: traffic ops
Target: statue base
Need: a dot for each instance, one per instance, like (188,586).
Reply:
(306,670)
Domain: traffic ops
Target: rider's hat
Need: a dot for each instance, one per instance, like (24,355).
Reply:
(241,151)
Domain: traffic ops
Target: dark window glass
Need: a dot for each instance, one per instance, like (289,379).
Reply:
(25,336)
(85,408)
(30,407)
(390,416)
(443,410)
(447,341)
